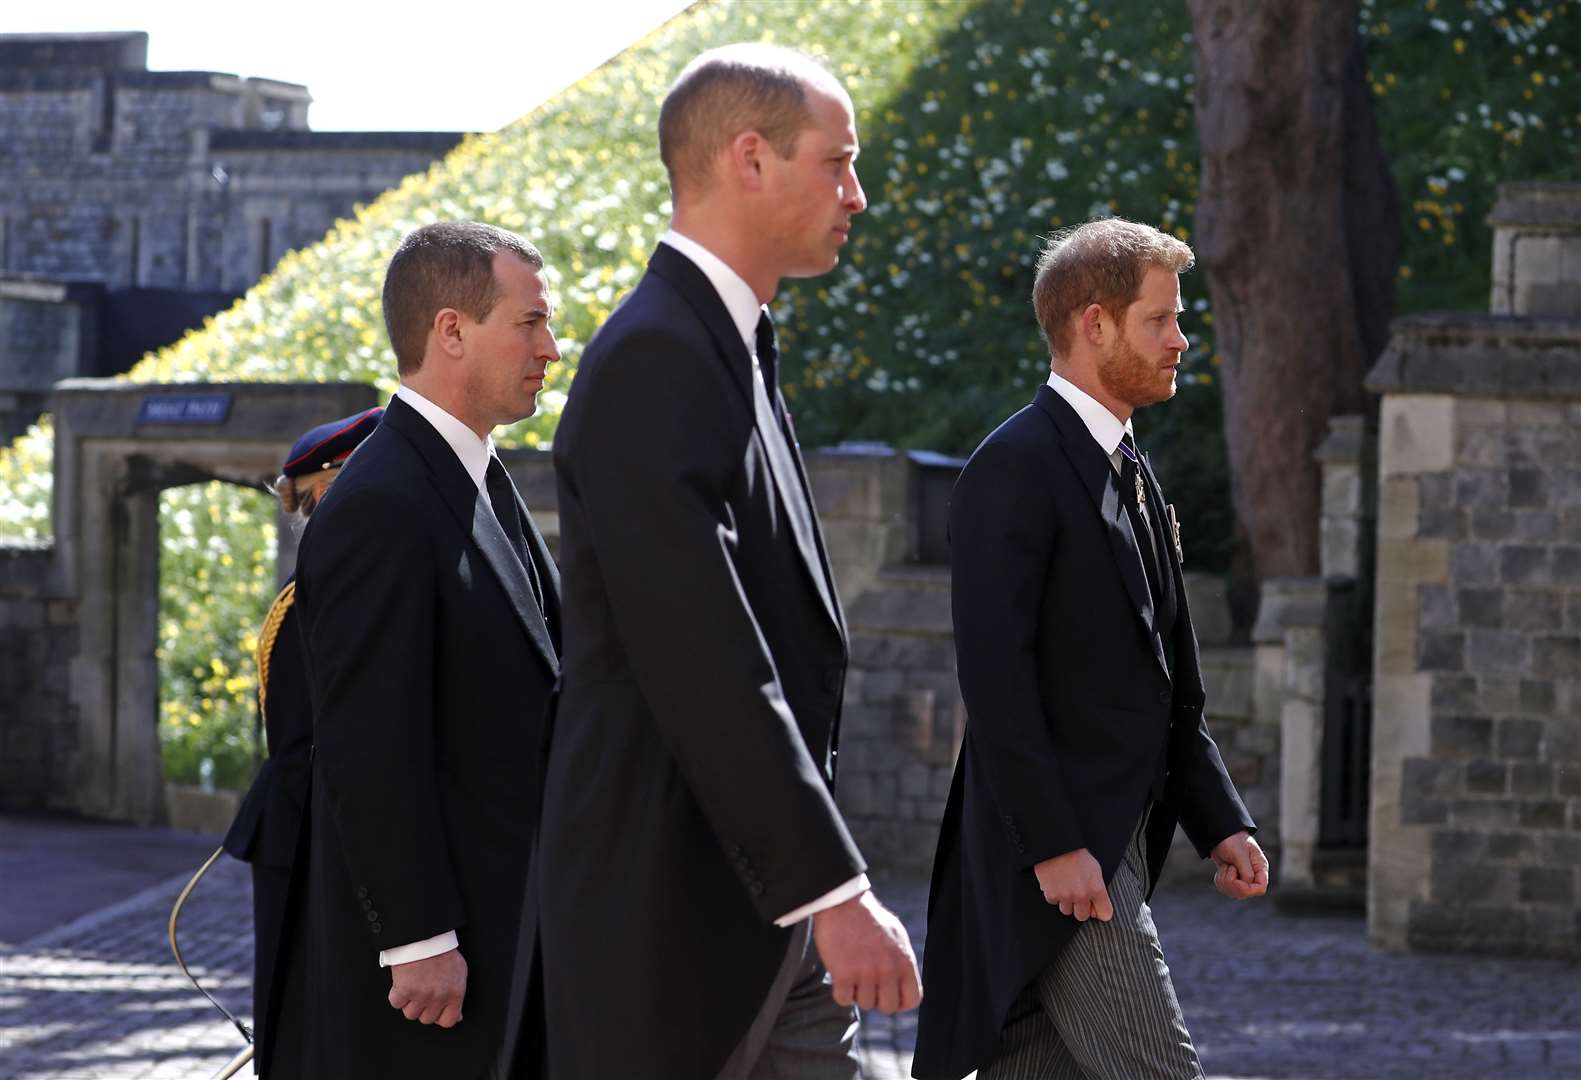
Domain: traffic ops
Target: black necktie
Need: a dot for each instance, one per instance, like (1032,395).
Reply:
(502,496)
(1134,496)
(768,363)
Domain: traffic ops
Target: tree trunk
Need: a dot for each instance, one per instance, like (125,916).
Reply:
(1298,232)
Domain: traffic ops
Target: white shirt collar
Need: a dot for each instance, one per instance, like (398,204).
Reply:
(739,299)
(473,452)
(1104,426)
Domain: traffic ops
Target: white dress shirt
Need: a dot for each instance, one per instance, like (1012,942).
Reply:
(1105,427)
(474,454)
(742,304)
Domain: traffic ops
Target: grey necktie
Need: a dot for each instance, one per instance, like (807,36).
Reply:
(502,496)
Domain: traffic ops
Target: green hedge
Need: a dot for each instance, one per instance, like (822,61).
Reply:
(985,125)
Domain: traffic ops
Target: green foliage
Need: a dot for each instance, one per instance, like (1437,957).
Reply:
(216,581)
(1027,118)
(1469,93)
(985,123)
(1033,116)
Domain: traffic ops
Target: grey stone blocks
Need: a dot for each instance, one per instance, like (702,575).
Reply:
(1479,850)
(131,178)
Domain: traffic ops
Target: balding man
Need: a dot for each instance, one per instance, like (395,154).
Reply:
(705,912)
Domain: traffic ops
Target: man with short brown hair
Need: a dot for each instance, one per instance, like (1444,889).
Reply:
(447,264)
(430,617)
(1085,741)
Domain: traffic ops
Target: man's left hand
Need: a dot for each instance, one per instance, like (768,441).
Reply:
(1242,868)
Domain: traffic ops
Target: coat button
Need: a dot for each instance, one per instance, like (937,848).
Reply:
(372,916)
(367,905)
(1163,697)
(756,888)
(362,894)
(375,927)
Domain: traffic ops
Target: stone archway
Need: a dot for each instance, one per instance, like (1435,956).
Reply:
(117,446)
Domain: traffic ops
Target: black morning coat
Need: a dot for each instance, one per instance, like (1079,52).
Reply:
(689,796)
(268,823)
(430,666)
(1073,718)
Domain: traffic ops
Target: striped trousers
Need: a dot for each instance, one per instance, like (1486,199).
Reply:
(1105,1009)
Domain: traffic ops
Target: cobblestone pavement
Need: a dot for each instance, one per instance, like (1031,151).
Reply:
(55,868)
(100,997)
(1266,995)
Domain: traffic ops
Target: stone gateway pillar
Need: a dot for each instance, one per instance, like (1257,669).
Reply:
(80,725)
(1476,798)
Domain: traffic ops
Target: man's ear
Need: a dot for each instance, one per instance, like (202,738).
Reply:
(446,331)
(1092,324)
(746,153)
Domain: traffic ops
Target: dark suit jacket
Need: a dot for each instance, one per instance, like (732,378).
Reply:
(688,801)
(269,822)
(1073,716)
(430,665)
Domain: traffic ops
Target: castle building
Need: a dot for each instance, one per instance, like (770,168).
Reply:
(133,203)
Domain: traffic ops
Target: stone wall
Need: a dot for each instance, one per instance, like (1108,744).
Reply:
(125,176)
(186,180)
(49,330)
(1311,658)
(1476,815)
(38,719)
(1536,251)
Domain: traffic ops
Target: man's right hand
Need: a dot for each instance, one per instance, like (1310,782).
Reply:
(430,991)
(868,953)
(1074,881)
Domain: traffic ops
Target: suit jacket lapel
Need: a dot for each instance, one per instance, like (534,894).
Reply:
(1169,562)
(784,461)
(832,598)
(791,479)
(1187,675)
(470,507)
(1103,486)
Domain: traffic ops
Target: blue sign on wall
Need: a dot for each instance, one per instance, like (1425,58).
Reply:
(211,408)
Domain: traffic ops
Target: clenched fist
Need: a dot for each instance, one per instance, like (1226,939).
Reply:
(868,953)
(430,991)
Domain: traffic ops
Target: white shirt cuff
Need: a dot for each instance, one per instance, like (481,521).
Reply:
(419,950)
(839,895)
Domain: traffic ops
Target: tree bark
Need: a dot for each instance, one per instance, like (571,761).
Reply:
(1298,232)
